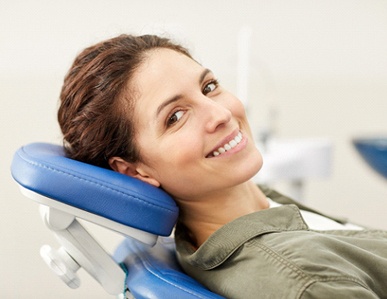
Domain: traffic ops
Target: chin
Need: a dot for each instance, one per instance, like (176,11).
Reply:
(252,167)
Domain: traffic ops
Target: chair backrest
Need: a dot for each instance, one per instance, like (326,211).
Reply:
(73,189)
(44,169)
(155,273)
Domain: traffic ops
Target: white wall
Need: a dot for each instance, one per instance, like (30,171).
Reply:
(322,64)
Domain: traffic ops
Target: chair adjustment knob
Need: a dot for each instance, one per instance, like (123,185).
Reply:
(62,264)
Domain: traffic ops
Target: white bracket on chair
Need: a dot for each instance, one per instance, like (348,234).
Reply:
(143,236)
(79,249)
(62,264)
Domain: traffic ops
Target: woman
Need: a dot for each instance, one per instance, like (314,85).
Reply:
(142,106)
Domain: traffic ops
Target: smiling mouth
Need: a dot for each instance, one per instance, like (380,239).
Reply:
(226,147)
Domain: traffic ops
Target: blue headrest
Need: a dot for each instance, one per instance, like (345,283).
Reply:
(44,169)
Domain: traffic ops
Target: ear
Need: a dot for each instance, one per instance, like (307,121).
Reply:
(132,169)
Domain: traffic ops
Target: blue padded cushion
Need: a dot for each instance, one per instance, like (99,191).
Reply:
(44,169)
(155,273)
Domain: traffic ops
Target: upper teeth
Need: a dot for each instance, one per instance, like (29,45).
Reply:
(233,143)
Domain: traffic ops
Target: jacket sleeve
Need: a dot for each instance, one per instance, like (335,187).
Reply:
(338,289)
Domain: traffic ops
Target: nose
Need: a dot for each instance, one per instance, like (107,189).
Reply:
(217,115)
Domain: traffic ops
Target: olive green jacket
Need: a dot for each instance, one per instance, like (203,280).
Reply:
(273,254)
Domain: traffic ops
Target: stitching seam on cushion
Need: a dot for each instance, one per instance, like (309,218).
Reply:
(36,164)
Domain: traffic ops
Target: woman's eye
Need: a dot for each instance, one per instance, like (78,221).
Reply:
(175,117)
(210,87)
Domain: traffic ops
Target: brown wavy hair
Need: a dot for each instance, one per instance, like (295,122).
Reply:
(96,101)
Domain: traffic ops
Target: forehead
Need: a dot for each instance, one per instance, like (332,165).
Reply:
(164,73)
(164,63)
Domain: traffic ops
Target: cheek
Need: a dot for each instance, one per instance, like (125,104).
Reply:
(176,151)
(237,108)
(183,147)
(234,104)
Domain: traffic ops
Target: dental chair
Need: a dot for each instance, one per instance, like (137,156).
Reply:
(144,264)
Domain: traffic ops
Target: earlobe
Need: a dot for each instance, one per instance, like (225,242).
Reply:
(131,169)
(146,178)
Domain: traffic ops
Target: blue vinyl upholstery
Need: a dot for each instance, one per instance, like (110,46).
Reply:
(153,272)
(43,168)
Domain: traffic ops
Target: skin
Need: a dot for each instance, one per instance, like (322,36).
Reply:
(182,115)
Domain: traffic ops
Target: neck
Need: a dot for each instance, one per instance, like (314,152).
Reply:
(203,217)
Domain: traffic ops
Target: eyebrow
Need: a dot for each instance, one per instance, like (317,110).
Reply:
(179,96)
(203,75)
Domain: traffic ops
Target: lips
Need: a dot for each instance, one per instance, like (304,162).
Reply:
(226,145)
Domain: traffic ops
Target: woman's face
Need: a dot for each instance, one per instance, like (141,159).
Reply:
(192,134)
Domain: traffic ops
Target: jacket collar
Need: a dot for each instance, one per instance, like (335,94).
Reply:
(221,244)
